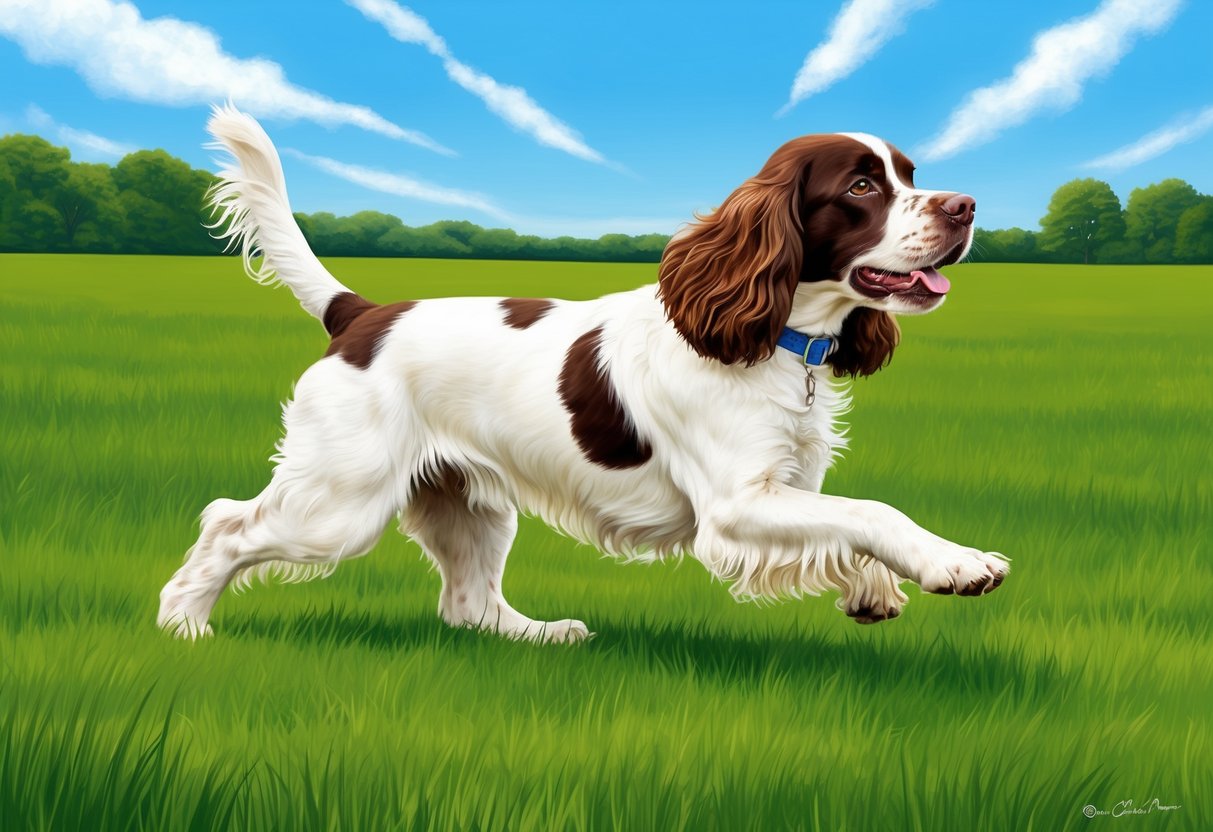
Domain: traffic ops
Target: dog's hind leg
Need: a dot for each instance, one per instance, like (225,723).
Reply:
(333,490)
(275,534)
(469,544)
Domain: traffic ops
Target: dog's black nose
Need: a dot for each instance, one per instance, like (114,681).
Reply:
(960,208)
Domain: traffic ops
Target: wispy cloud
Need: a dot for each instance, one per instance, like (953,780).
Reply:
(859,30)
(83,142)
(1157,143)
(512,104)
(406,186)
(400,185)
(169,61)
(1062,60)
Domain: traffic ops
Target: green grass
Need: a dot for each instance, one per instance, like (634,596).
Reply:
(1058,414)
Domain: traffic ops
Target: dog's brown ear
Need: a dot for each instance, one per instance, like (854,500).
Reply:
(865,344)
(728,281)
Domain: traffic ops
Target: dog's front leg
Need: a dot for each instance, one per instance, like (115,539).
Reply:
(773,539)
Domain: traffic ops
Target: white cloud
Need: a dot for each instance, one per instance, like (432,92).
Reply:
(402,23)
(1062,60)
(83,142)
(1156,143)
(512,104)
(400,185)
(169,61)
(519,109)
(859,30)
(410,188)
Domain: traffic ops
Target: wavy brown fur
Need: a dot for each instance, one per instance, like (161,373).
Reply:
(865,344)
(727,283)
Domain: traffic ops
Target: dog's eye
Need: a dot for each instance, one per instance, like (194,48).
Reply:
(861,188)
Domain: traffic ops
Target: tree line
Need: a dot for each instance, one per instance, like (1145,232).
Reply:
(1167,222)
(374,234)
(152,203)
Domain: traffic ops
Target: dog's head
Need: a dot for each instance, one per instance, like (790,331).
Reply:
(832,221)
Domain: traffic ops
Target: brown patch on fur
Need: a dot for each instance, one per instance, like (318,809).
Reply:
(342,310)
(358,337)
(444,479)
(521,313)
(902,165)
(599,423)
(865,344)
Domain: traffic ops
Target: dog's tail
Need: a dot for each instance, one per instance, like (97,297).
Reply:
(251,211)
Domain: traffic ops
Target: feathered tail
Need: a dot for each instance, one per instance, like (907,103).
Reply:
(252,212)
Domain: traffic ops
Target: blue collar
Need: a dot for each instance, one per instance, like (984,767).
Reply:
(812,349)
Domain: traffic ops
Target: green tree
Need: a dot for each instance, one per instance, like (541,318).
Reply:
(422,242)
(37,227)
(162,198)
(1152,217)
(88,205)
(321,230)
(8,197)
(366,229)
(37,170)
(497,243)
(460,231)
(1194,233)
(1084,215)
(1005,245)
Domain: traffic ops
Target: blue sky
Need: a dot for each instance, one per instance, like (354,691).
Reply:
(587,119)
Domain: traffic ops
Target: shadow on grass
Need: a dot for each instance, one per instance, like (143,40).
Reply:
(754,659)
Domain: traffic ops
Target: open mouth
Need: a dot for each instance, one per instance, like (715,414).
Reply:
(926,284)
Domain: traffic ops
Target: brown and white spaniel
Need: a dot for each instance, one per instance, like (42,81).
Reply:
(694,416)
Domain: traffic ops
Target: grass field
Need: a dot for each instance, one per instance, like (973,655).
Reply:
(1061,415)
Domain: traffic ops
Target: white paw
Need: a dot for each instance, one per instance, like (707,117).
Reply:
(182,626)
(970,572)
(565,631)
(520,628)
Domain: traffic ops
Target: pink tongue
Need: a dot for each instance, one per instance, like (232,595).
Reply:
(933,280)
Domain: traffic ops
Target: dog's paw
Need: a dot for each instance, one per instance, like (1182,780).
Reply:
(971,572)
(873,614)
(881,603)
(184,627)
(565,631)
(872,594)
